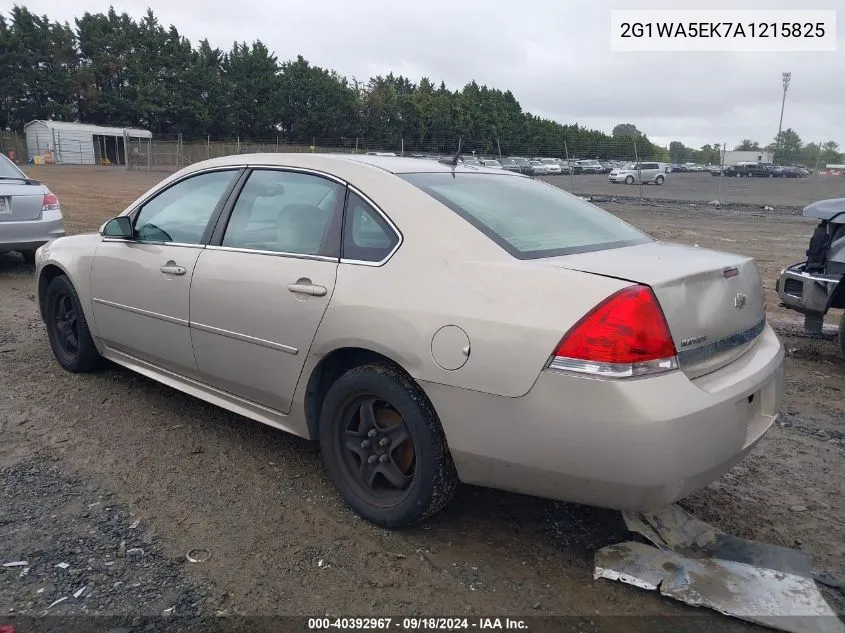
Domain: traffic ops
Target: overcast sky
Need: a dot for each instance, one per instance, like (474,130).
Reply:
(554,55)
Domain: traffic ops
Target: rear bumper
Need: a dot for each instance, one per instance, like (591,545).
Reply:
(30,234)
(805,292)
(635,444)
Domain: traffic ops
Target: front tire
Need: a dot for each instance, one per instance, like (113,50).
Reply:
(67,328)
(629,180)
(383,447)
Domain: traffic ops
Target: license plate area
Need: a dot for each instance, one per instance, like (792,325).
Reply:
(5,206)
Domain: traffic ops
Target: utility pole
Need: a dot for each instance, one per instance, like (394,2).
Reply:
(785,77)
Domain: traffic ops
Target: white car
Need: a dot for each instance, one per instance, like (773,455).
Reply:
(539,168)
(491,163)
(552,167)
(633,173)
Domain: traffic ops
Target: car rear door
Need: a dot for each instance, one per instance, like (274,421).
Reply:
(140,286)
(261,287)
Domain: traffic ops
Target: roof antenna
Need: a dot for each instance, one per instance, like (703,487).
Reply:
(454,160)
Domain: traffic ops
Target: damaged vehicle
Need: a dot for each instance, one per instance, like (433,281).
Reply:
(814,286)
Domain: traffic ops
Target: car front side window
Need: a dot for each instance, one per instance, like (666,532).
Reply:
(181,213)
(286,212)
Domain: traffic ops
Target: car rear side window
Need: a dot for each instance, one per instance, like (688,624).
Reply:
(528,218)
(286,212)
(367,237)
(181,212)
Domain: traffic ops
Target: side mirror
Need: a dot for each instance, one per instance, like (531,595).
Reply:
(120,227)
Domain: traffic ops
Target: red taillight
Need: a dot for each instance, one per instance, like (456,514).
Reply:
(625,335)
(50,202)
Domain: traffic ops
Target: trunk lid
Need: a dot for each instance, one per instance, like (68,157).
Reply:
(713,301)
(20,201)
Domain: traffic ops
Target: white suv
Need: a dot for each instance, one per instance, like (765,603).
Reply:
(631,173)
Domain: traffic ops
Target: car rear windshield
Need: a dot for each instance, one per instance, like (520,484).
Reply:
(8,169)
(528,218)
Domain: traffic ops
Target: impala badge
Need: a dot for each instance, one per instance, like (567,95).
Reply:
(740,300)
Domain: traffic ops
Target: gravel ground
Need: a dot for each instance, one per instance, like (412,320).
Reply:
(283,543)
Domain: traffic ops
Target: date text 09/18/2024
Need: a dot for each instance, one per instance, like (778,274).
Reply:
(417,624)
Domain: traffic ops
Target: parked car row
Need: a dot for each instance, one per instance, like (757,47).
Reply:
(544,166)
(760,170)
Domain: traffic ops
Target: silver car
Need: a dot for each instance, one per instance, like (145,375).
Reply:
(30,214)
(428,323)
(638,172)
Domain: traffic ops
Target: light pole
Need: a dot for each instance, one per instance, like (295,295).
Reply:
(785,77)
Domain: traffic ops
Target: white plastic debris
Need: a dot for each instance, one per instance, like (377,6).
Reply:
(24,572)
(135,524)
(320,563)
(16,563)
(701,566)
(715,203)
(62,565)
(168,612)
(55,602)
(80,591)
(768,208)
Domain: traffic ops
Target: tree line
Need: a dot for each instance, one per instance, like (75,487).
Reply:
(786,148)
(111,69)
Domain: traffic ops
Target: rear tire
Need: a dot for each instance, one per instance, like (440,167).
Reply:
(67,328)
(28,257)
(383,447)
(659,180)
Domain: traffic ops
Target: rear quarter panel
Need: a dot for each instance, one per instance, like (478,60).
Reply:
(448,273)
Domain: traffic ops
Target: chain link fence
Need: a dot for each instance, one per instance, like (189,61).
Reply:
(621,171)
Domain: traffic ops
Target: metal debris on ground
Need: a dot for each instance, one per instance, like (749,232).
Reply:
(17,563)
(695,563)
(198,555)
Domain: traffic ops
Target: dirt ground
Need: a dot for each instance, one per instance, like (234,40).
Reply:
(98,453)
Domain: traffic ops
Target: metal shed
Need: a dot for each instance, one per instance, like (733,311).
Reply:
(80,143)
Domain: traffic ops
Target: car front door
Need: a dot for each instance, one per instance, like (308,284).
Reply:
(261,287)
(140,286)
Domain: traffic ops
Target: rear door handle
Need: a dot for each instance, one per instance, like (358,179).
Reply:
(308,289)
(173,270)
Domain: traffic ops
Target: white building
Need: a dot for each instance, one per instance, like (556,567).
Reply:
(748,156)
(79,143)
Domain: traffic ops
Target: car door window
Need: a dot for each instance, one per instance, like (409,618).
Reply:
(181,213)
(367,236)
(286,212)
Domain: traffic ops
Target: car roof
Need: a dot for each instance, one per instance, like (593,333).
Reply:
(392,164)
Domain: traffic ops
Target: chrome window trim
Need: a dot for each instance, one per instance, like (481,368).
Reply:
(304,170)
(127,241)
(245,338)
(148,313)
(697,354)
(393,227)
(256,251)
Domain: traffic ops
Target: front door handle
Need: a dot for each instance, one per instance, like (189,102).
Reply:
(308,289)
(173,269)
